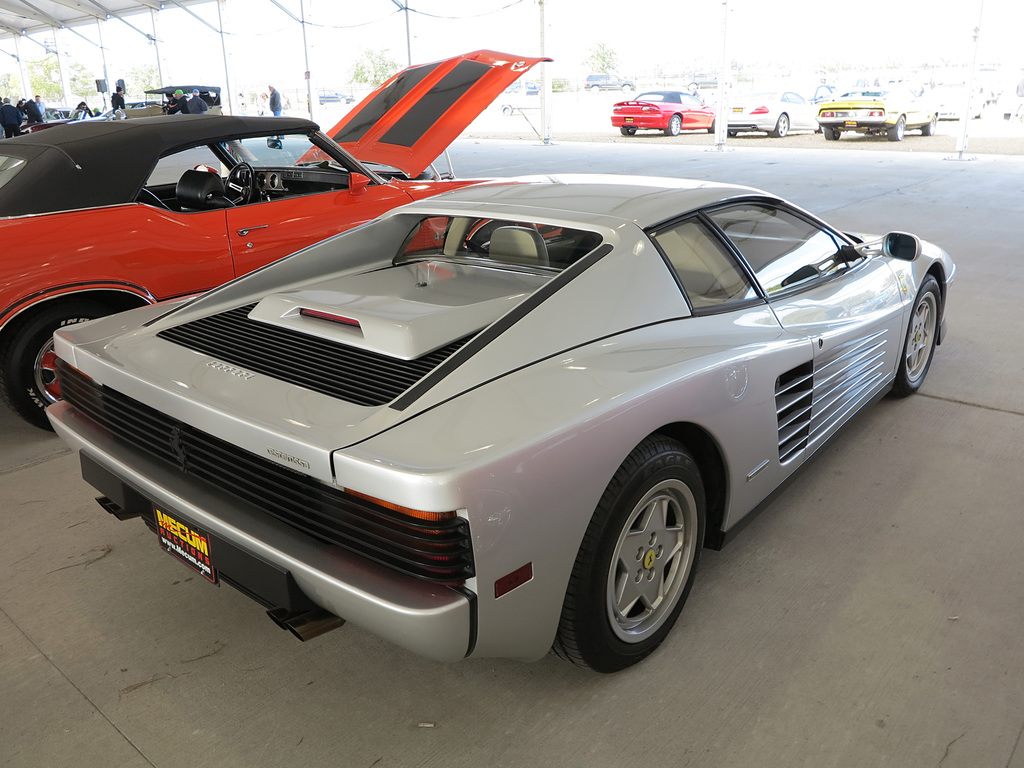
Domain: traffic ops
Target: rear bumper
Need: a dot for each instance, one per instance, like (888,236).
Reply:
(640,122)
(278,566)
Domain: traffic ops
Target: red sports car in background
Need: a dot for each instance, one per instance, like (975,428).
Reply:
(104,216)
(668,111)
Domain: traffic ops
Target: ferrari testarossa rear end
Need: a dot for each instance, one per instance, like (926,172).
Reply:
(504,419)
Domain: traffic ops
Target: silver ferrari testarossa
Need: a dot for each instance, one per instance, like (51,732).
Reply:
(504,419)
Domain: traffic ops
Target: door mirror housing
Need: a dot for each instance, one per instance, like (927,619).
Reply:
(357,183)
(901,245)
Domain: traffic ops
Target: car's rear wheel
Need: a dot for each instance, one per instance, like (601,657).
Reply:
(919,346)
(733,134)
(928,129)
(781,127)
(831,134)
(897,132)
(627,130)
(638,559)
(711,128)
(28,380)
(675,126)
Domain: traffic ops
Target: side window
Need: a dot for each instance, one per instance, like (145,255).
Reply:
(170,168)
(783,249)
(707,271)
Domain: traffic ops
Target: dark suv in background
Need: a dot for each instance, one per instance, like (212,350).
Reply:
(608,82)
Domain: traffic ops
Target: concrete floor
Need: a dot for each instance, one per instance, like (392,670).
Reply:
(872,616)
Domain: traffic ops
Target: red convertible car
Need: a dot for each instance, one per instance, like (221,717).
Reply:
(101,217)
(667,111)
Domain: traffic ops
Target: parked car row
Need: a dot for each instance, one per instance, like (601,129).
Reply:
(872,111)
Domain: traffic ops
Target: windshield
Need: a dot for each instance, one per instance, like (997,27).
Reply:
(278,151)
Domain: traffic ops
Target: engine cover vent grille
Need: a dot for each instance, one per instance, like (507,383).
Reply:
(351,374)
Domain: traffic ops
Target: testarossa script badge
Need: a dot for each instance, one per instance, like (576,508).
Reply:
(187,543)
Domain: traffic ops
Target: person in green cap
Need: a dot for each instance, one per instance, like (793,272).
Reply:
(177,104)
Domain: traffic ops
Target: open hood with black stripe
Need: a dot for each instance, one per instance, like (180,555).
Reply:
(413,117)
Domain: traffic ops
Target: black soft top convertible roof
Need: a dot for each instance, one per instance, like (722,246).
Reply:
(89,164)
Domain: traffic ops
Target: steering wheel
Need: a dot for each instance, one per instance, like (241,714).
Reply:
(240,184)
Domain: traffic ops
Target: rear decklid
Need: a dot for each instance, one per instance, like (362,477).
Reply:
(414,116)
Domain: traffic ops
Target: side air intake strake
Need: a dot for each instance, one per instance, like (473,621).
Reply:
(793,401)
(358,376)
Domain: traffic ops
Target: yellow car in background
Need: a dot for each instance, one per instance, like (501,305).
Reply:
(877,111)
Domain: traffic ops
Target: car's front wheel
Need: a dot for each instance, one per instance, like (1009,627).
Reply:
(627,130)
(638,559)
(28,377)
(675,126)
(919,345)
(781,127)
(897,132)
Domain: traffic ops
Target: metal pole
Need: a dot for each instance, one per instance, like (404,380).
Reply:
(26,85)
(721,114)
(64,89)
(966,116)
(545,94)
(408,36)
(103,57)
(305,49)
(156,48)
(224,55)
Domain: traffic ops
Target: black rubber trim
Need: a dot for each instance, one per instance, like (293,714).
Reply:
(501,325)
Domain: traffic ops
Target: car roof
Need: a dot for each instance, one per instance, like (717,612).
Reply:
(94,163)
(644,200)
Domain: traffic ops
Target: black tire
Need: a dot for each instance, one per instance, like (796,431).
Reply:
(898,131)
(26,374)
(711,128)
(607,622)
(733,134)
(831,134)
(919,345)
(928,129)
(781,127)
(627,130)
(675,126)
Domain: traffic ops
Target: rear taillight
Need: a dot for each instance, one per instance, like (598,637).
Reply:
(759,111)
(827,113)
(876,113)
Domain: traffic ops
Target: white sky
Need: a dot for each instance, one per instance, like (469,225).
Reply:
(672,35)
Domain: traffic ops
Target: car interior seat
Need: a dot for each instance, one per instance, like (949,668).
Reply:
(201,191)
(519,245)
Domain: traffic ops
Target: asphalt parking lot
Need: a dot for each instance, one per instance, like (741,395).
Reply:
(871,616)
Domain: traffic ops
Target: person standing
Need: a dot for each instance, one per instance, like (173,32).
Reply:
(275,101)
(196,105)
(34,110)
(117,100)
(10,119)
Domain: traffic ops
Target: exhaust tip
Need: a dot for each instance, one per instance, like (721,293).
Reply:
(307,624)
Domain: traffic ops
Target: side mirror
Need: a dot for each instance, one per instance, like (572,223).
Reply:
(357,183)
(901,245)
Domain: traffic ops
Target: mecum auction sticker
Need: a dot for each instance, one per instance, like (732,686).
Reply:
(185,542)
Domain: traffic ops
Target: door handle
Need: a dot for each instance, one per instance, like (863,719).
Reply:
(247,230)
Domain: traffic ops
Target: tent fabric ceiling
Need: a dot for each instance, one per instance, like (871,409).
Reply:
(29,16)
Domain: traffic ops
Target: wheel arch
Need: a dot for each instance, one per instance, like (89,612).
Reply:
(118,299)
(710,460)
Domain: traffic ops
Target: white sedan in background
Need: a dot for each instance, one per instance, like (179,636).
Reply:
(774,112)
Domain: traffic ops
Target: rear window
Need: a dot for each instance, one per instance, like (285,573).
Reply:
(9,168)
(508,242)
